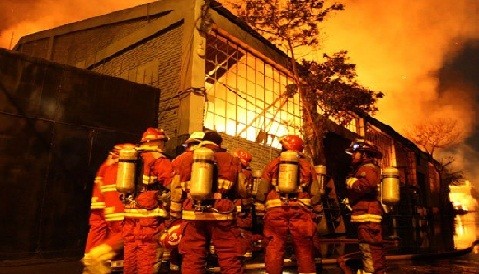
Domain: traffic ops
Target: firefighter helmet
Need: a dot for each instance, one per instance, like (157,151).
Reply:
(292,142)
(364,146)
(154,134)
(171,237)
(213,136)
(195,137)
(115,151)
(244,156)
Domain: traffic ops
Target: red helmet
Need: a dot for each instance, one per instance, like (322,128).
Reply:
(154,134)
(292,142)
(244,156)
(171,237)
(364,146)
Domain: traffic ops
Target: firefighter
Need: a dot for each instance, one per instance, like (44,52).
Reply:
(182,162)
(98,226)
(175,226)
(111,214)
(366,211)
(97,222)
(114,207)
(289,190)
(204,190)
(193,141)
(145,209)
(244,207)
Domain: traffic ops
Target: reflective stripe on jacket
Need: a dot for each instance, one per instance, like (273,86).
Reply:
(278,202)
(206,216)
(366,218)
(145,213)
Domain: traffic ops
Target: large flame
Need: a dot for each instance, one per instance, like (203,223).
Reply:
(414,51)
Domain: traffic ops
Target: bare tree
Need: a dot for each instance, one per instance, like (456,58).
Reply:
(437,135)
(327,85)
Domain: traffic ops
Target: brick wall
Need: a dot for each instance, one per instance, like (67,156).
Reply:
(74,47)
(156,62)
(38,48)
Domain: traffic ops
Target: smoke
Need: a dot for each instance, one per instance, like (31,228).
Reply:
(423,55)
(20,18)
(459,81)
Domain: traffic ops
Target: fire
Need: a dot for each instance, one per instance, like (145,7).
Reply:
(402,48)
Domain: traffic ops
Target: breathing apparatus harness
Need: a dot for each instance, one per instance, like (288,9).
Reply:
(130,178)
(288,183)
(204,181)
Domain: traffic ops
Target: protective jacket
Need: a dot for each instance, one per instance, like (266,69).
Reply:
(215,221)
(98,226)
(114,208)
(144,215)
(366,214)
(289,214)
(363,193)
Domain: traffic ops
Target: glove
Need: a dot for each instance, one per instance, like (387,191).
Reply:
(86,260)
(94,266)
(350,182)
(102,253)
(164,196)
(346,204)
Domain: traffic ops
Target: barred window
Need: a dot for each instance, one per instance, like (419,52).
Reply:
(248,96)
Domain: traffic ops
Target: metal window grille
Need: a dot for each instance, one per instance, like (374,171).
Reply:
(245,94)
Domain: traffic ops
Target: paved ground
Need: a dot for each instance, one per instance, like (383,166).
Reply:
(450,264)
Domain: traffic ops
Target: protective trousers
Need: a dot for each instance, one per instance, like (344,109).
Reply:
(244,222)
(141,246)
(225,237)
(371,247)
(278,222)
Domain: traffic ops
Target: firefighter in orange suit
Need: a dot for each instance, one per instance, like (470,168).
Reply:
(290,192)
(203,190)
(244,207)
(175,259)
(146,209)
(97,222)
(362,185)
(108,200)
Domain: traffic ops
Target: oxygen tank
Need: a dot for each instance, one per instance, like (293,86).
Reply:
(256,180)
(288,172)
(202,172)
(390,186)
(125,180)
(321,173)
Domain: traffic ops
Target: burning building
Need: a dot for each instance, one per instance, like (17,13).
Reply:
(216,72)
